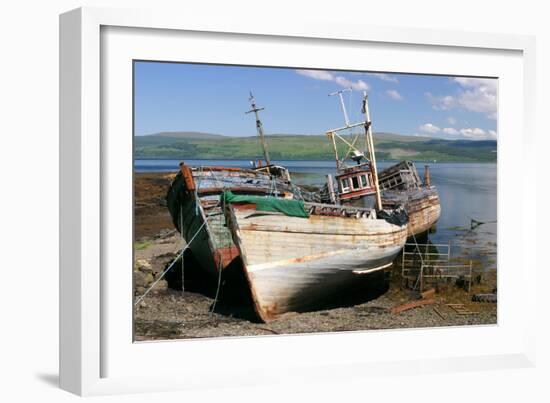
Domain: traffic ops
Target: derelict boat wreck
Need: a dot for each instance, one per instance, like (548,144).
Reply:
(294,251)
(400,184)
(193,200)
(358,183)
(296,255)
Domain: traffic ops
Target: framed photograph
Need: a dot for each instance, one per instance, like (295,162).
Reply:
(241,203)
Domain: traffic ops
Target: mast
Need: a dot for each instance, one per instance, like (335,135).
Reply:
(370,145)
(259,127)
(339,93)
(332,134)
(334,148)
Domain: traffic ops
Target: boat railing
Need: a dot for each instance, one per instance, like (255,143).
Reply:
(429,263)
(446,271)
(339,210)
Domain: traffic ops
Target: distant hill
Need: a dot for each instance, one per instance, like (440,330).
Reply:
(186,135)
(389,146)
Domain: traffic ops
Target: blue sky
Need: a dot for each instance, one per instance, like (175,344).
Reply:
(214,99)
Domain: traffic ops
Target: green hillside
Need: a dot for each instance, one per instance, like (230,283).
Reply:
(195,145)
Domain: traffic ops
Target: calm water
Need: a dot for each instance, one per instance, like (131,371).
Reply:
(467,191)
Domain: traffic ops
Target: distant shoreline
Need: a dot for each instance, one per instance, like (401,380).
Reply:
(389,147)
(309,160)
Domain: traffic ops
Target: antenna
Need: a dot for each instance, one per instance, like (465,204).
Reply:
(259,127)
(339,93)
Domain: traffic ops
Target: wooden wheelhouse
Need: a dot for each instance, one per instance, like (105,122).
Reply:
(355,182)
(356,173)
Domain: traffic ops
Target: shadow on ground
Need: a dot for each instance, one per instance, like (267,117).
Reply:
(234,298)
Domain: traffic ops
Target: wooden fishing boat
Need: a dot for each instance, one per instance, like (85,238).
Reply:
(358,183)
(294,263)
(296,254)
(193,200)
(400,184)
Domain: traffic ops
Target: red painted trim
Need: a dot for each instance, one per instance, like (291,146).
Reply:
(356,193)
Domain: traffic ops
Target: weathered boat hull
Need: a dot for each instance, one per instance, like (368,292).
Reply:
(422,206)
(193,201)
(294,263)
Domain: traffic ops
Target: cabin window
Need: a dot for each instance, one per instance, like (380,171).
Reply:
(355,182)
(364,181)
(345,185)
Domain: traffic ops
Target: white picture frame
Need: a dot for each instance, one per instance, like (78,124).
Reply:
(96,356)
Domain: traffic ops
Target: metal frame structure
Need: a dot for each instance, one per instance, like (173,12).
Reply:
(438,268)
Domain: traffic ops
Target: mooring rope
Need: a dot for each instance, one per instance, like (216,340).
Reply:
(421,260)
(183,246)
(219,285)
(180,255)
(220,263)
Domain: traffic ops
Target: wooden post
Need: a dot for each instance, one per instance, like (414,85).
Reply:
(404,280)
(421,277)
(183,273)
(426,252)
(331,136)
(330,185)
(370,143)
(470,283)
(427,181)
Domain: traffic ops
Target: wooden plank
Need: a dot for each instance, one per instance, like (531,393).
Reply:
(410,305)
(461,309)
(428,294)
(438,313)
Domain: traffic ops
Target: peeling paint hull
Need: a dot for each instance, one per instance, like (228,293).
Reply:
(193,205)
(422,206)
(401,185)
(294,263)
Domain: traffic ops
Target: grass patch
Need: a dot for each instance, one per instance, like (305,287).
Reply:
(142,245)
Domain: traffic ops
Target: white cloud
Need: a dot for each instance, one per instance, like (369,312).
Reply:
(384,77)
(479,98)
(323,75)
(441,103)
(471,133)
(470,82)
(451,120)
(317,74)
(450,131)
(474,133)
(355,85)
(393,94)
(475,94)
(429,128)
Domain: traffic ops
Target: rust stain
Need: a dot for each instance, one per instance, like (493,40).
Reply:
(187,176)
(243,206)
(226,255)
(234,189)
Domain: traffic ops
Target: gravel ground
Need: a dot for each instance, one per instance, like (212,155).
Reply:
(172,315)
